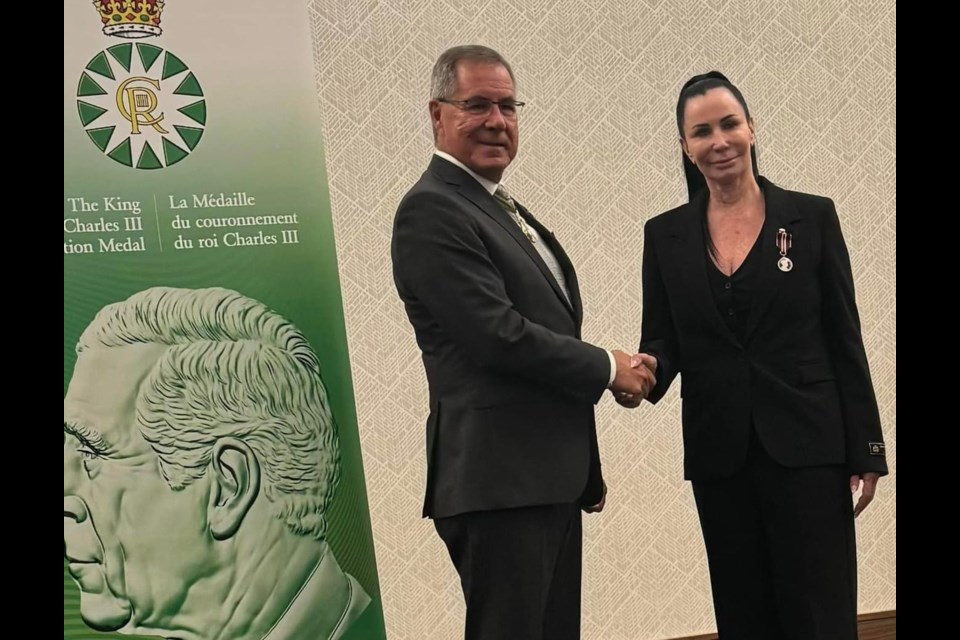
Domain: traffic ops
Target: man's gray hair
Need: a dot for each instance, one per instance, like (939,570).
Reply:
(233,368)
(443,80)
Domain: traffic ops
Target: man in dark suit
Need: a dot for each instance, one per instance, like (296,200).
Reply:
(512,452)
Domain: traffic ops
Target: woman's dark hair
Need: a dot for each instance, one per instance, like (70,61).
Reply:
(697,86)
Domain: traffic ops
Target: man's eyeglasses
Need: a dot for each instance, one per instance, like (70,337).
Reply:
(482,106)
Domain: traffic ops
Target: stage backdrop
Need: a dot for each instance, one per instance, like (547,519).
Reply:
(212,470)
(598,157)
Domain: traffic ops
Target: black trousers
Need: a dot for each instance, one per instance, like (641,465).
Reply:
(781,548)
(520,571)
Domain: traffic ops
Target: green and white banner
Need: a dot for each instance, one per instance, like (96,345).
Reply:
(212,478)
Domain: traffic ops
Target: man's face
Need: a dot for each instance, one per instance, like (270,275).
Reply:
(485,142)
(133,544)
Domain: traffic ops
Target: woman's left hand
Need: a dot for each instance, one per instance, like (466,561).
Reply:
(628,400)
(869,480)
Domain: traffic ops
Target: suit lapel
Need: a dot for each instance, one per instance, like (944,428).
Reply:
(781,213)
(575,303)
(479,197)
(488,205)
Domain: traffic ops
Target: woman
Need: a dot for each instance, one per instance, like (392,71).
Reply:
(748,293)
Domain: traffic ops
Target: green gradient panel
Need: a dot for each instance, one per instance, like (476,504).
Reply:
(245,147)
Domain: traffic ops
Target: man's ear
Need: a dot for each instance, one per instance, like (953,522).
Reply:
(236,485)
(434,107)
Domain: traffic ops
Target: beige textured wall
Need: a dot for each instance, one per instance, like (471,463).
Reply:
(598,156)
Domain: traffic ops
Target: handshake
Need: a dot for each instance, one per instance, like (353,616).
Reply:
(634,378)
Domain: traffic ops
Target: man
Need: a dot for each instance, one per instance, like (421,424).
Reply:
(200,458)
(511,441)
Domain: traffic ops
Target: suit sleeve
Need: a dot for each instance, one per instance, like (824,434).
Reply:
(440,258)
(657,334)
(841,323)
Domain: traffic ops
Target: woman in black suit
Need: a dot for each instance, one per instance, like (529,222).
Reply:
(748,293)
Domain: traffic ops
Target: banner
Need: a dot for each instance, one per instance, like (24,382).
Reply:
(213,483)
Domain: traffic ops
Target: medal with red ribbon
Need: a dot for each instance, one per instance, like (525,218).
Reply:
(784,244)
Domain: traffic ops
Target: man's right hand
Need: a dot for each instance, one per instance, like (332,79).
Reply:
(633,380)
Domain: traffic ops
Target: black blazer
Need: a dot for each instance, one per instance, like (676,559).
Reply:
(512,386)
(800,376)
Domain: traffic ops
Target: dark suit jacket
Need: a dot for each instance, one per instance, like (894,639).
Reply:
(800,375)
(512,386)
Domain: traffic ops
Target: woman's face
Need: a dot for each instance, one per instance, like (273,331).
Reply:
(717,136)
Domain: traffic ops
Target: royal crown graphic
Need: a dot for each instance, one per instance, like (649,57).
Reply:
(130,18)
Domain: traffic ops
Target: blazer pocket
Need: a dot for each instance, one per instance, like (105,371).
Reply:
(819,371)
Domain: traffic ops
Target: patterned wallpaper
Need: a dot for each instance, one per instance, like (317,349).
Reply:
(598,157)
